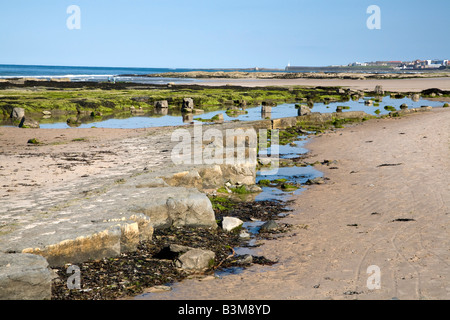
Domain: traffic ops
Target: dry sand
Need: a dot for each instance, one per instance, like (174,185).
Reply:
(400,85)
(351,221)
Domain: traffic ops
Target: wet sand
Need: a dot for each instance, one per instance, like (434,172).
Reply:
(398,85)
(387,204)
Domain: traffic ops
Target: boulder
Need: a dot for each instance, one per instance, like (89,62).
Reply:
(269,225)
(188,105)
(162,104)
(195,260)
(404,106)
(231,223)
(284,123)
(415,97)
(240,173)
(175,206)
(24,277)
(303,110)
(18,113)
(212,176)
(266,109)
(28,123)
(379,90)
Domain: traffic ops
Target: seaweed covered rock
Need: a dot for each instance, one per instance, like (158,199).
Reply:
(161,104)
(28,123)
(188,105)
(196,260)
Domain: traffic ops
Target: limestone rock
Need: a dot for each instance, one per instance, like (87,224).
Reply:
(188,105)
(161,104)
(18,113)
(176,206)
(196,260)
(303,110)
(244,173)
(28,123)
(266,109)
(218,117)
(231,223)
(379,90)
(24,277)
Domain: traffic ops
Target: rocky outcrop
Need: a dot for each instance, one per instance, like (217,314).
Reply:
(24,277)
(114,218)
(176,206)
(78,238)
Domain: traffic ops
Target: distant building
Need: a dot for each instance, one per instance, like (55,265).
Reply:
(357,64)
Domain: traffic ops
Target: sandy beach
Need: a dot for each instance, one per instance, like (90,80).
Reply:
(399,85)
(386,204)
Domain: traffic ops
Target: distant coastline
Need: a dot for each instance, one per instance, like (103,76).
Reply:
(300,75)
(155,76)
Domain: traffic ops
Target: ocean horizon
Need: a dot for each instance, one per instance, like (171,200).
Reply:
(86,73)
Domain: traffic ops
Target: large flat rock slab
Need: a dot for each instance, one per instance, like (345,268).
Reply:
(24,277)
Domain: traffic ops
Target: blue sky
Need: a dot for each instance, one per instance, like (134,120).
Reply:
(222,34)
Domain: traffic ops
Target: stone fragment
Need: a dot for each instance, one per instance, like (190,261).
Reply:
(196,260)
(231,223)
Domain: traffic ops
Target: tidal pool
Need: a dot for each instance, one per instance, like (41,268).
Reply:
(163,118)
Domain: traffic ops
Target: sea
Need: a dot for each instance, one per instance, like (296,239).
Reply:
(99,74)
